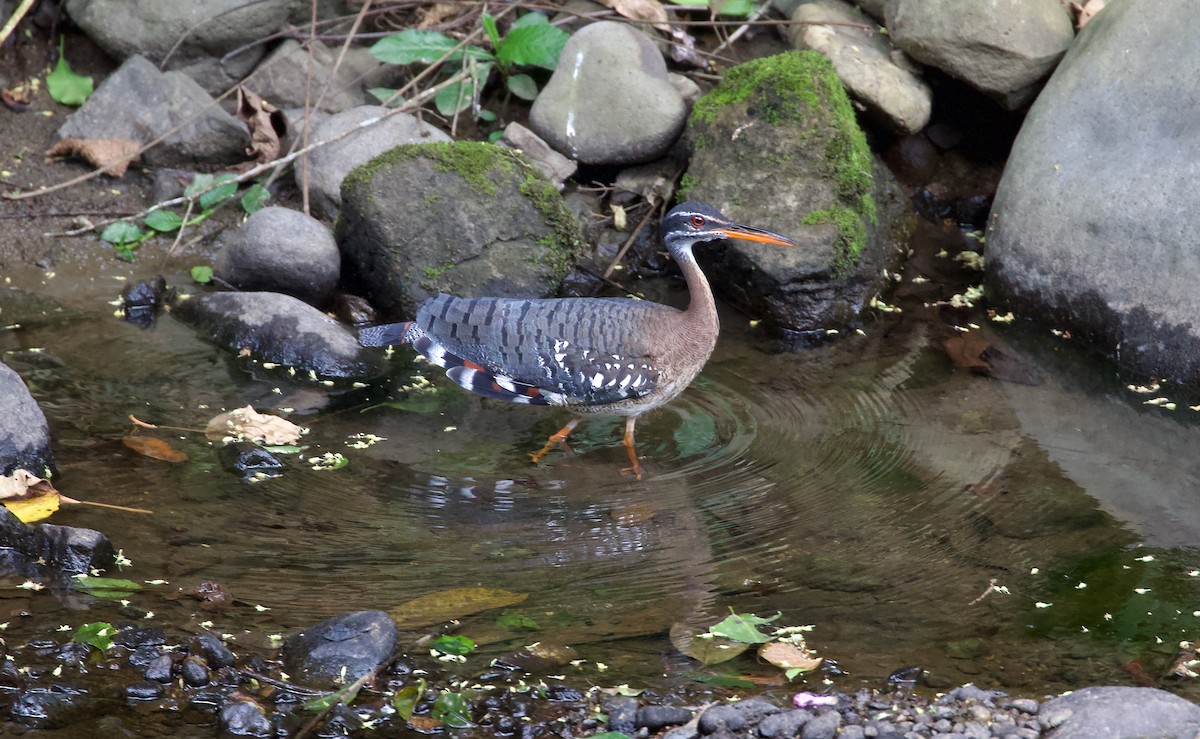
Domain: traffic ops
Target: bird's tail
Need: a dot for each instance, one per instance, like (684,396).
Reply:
(389,334)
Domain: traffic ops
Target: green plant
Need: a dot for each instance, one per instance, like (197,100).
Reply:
(98,634)
(65,85)
(126,236)
(531,42)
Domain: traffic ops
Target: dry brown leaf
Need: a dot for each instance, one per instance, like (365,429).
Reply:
(788,656)
(437,13)
(249,423)
(267,125)
(113,156)
(424,724)
(148,446)
(17,98)
(1085,11)
(651,11)
(966,350)
(23,484)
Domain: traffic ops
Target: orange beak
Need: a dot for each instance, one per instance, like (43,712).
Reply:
(746,233)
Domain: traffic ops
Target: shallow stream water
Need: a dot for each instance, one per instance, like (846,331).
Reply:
(1033,538)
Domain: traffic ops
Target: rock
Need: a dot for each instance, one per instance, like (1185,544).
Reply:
(244,718)
(138,103)
(134,638)
(346,646)
(24,434)
(655,718)
(553,165)
(622,713)
(1002,48)
(71,549)
(277,328)
(194,672)
(824,726)
(798,164)
(329,165)
(866,64)
(205,34)
(610,101)
(248,460)
(1025,705)
(1109,711)
(477,219)
(721,717)
(281,250)
(1093,232)
(42,708)
(281,78)
(160,669)
(143,691)
(783,725)
(142,301)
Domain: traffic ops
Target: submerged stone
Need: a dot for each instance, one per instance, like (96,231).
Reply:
(343,647)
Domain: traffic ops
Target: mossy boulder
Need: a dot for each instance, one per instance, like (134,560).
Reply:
(464,218)
(777,144)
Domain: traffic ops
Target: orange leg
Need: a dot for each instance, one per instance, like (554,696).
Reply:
(558,438)
(636,468)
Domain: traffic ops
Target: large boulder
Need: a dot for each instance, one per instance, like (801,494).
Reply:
(193,38)
(465,218)
(610,101)
(24,435)
(141,104)
(1110,711)
(1095,227)
(776,144)
(1003,47)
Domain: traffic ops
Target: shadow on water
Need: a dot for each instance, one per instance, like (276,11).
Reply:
(914,514)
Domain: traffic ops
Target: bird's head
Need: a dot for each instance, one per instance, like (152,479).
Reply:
(692,222)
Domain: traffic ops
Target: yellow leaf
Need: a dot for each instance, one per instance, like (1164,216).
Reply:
(34,509)
(447,605)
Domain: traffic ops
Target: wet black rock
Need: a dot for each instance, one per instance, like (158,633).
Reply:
(194,672)
(72,549)
(24,435)
(721,716)
(654,718)
(212,649)
(355,643)
(244,719)
(159,669)
(133,638)
(278,328)
(248,459)
(143,691)
(141,657)
(622,713)
(824,726)
(1119,711)
(142,301)
(49,709)
(281,250)
(563,694)
(784,724)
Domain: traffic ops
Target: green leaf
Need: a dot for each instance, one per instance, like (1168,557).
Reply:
(255,198)
(706,649)
(66,86)
(461,95)
(495,136)
(427,47)
(743,627)
(121,233)
(213,198)
(202,273)
(198,183)
(408,697)
(98,585)
(452,710)
(98,635)
(523,86)
(531,19)
(446,605)
(535,45)
(725,681)
(387,95)
(163,221)
(737,8)
(487,116)
(456,645)
(489,25)
(346,695)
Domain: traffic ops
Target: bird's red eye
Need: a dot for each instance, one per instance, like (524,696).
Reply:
(697,221)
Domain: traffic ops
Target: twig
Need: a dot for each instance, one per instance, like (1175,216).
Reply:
(75,501)
(629,242)
(350,690)
(17,15)
(740,30)
(187,214)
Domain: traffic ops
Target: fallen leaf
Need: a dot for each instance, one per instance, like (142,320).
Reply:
(788,656)
(23,483)
(249,423)
(438,12)
(966,350)
(35,508)
(708,651)
(447,605)
(424,724)
(148,446)
(651,11)
(17,98)
(267,125)
(113,156)
(212,596)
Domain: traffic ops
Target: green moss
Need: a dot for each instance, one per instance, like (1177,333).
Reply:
(686,184)
(787,82)
(852,236)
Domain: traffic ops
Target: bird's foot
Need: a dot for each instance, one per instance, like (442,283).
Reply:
(559,438)
(635,470)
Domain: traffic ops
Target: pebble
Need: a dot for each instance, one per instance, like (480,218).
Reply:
(657,717)
(720,716)
(785,724)
(622,713)
(824,726)
(1025,705)
(194,672)
(143,691)
(159,669)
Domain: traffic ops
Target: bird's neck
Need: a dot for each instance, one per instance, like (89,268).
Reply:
(700,318)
